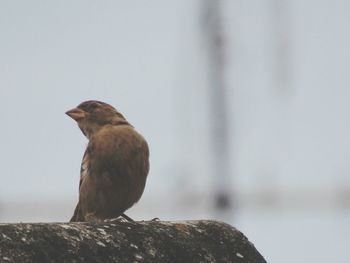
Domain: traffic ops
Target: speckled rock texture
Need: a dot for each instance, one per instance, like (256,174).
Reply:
(146,241)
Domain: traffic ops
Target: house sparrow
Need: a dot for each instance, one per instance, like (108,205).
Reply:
(115,163)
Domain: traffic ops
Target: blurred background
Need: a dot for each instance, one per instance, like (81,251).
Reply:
(244,104)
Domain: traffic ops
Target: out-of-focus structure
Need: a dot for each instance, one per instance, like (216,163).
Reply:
(218,110)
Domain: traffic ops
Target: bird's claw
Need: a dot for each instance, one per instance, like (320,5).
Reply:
(118,219)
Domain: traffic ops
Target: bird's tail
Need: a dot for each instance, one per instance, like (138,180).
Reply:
(77,216)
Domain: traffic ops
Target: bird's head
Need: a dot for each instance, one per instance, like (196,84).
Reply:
(92,115)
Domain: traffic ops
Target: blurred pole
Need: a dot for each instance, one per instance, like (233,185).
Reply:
(282,91)
(280,16)
(218,117)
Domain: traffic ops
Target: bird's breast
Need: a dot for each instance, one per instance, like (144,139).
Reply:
(84,168)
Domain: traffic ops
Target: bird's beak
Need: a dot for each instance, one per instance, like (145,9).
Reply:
(76,114)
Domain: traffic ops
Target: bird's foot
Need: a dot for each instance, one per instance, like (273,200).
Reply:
(156,219)
(117,219)
(129,219)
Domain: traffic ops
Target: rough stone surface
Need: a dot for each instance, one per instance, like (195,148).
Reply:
(148,241)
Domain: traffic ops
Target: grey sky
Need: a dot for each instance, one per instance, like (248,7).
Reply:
(147,58)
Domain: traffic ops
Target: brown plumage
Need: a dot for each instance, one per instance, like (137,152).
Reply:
(115,164)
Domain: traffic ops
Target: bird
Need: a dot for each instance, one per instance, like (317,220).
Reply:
(115,164)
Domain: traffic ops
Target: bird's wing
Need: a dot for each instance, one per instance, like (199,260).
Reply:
(118,157)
